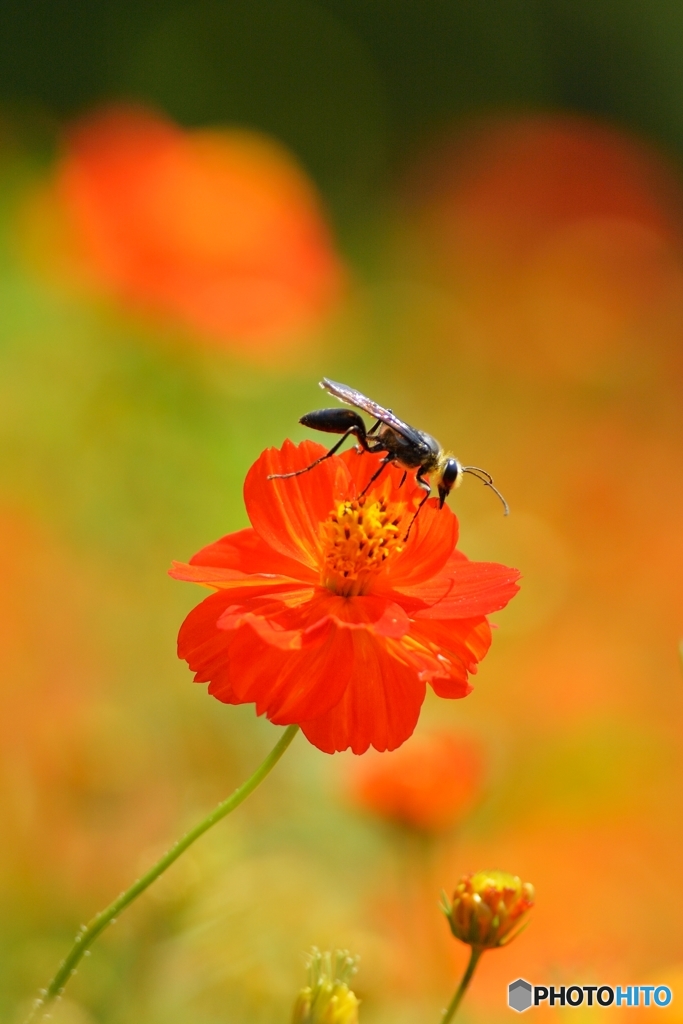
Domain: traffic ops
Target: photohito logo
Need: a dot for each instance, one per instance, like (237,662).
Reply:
(522,995)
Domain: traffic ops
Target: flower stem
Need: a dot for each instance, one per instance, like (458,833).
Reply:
(99,922)
(449,1012)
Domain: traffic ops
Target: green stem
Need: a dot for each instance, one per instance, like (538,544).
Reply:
(99,922)
(449,1012)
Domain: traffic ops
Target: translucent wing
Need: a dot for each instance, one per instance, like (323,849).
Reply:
(352,397)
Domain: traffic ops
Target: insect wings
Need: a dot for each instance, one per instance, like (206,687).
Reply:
(356,398)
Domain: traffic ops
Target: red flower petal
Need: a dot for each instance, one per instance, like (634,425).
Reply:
(287,514)
(227,579)
(464,589)
(246,552)
(277,615)
(459,645)
(293,685)
(432,539)
(380,616)
(381,702)
(206,649)
(242,667)
(289,617)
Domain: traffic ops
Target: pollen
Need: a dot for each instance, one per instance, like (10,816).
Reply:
(357,539)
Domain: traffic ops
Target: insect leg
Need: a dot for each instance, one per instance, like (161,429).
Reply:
(385,462)
(424,484)
(377,425)
(403,478)
(332,421)
(298,472)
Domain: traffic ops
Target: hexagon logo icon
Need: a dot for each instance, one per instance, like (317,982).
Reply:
(519,995)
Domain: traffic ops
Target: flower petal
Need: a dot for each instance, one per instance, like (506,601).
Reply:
(289,617)
(277,615)
(246,552)
(206,648)
(448,652)
(226,579)
(373,612)
(381,702)
(242,667)
(290,686)
(431,542)
(287,514)
(463,589)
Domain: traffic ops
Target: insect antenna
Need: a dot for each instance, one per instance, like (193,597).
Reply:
(487,480)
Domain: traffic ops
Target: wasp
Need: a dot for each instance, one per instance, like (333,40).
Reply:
(402,445)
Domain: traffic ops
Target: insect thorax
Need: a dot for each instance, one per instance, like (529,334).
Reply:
(406,453)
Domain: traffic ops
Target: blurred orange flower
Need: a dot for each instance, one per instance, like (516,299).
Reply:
(561,237)
(325,615)
(220,230)
(428,785)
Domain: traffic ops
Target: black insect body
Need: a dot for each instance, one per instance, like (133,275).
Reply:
(403,445)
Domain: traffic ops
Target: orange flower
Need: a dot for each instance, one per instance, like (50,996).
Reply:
(488,907)
(219,230)
(325,616)
(428,785)
(560,237)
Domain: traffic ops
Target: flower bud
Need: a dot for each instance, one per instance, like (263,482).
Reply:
(487,907)
(327,999)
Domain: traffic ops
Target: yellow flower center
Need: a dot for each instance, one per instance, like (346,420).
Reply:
(358,538)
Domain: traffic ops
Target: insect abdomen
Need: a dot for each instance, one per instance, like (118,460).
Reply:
(333,421)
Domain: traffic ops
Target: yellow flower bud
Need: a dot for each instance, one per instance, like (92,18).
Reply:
(487,907)
(327,999)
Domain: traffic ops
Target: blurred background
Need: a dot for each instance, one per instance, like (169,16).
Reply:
(473,213)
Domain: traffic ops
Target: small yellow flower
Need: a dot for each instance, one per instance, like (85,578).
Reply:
(327,999)
(487,907)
